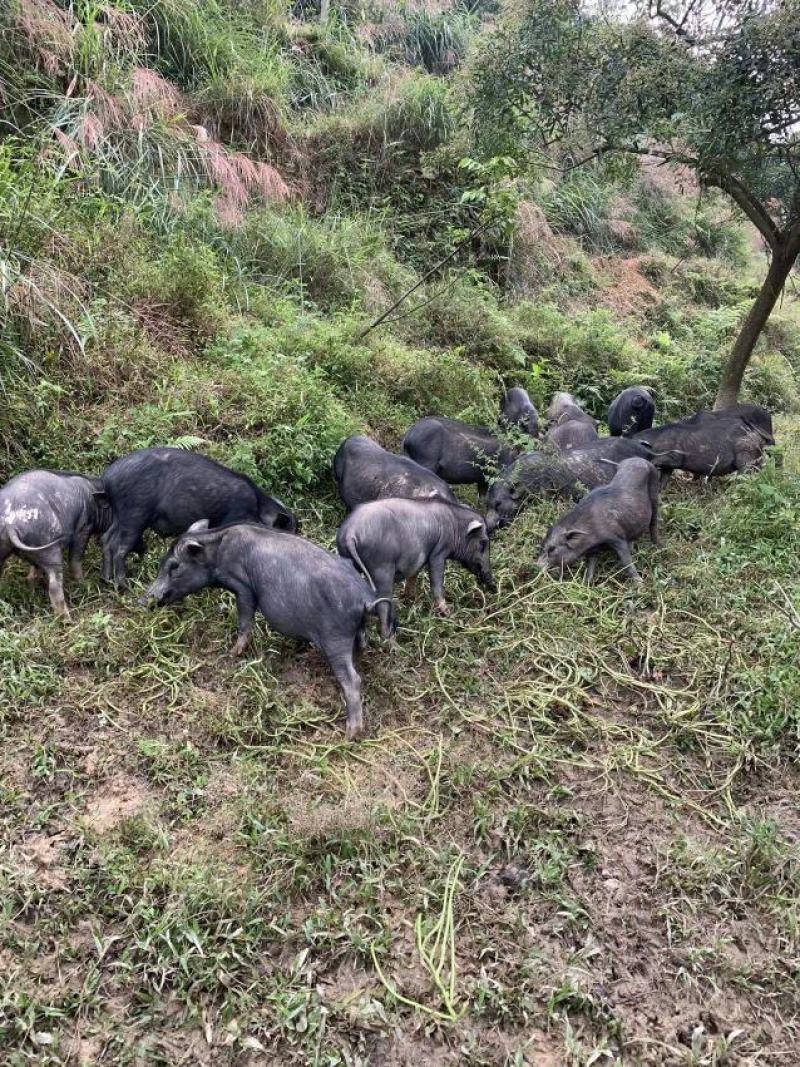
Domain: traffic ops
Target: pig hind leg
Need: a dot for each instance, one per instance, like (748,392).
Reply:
(118,544)
(55,590)
(340,660)
(383,577)
(76,553)
(653,493)
(51,563)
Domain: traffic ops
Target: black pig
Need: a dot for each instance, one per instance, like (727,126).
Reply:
(517,410)
(568,475)
(753,415)
(611,516)
(631,410)
(574,433)
(365,471)
(565,408)
(167,489)
(710,446)
(459,453)
(390,539)
(302,591)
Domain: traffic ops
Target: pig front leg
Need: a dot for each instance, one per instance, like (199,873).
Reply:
(436,575)
(623,550)
(591,563)
(246,611)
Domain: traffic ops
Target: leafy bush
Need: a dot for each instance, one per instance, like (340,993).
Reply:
(328,65)
(771,380)
(465,314)
(330,262)
(186,278)
(437,41)
(586,354)
(580,204)
(375,145)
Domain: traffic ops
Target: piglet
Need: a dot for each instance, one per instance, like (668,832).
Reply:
(612,516)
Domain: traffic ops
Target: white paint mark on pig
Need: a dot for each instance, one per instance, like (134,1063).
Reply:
(14,515)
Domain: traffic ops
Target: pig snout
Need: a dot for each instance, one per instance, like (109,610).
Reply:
(154,596)
(492,521)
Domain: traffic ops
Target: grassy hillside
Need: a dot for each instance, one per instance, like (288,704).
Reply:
(571,836)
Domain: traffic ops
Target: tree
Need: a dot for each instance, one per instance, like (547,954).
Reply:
(713,86)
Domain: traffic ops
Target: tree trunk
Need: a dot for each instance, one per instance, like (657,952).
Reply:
(783,257)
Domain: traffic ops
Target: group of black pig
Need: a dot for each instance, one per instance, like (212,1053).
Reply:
(402,514)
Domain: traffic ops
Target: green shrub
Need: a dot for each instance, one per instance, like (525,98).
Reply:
(283,422)
(329,262)
(187,278)
(465,315)
(371,146)
(587,354)
(328,64)
(771,380)
(436,41)
(581,205)
(782,333)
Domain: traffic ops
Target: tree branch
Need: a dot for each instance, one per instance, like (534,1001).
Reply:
(678,27)
(739,193)
(752,207)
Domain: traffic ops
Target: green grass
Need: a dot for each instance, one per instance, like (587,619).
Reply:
(570,836)
(554,777)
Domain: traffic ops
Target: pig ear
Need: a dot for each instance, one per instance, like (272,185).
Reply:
(199,526)
(572,535)
(193,548)
(474,527)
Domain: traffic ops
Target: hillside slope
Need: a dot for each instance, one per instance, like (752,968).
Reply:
(571,836)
